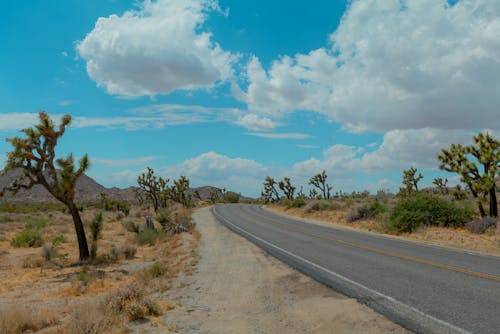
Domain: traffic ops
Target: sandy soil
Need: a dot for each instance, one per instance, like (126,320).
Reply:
(237,288)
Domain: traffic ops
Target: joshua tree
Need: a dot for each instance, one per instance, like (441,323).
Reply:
(154,188)
(319,181)
(95,233)
(35,156)
(441,185)
(270,193)
(466,162)
(178,192)
(410,180)
(287,188)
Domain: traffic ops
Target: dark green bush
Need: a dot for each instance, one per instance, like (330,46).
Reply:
(148,236)
(417,209)
(377,208)
(231,197)
(158,269)
(35,223)
(296,203)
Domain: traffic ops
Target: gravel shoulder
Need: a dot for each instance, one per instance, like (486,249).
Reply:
(237,288)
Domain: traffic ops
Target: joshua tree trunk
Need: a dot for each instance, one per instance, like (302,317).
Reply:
(80,233)
(493,202)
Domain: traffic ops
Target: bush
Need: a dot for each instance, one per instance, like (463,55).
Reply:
(118,299)
(152,308)
(359,212)
(323,205)
(296,203)
(89,318)
(58,239)
(174,222)
(131,226)
(129,252)
(480,226)
(231,197)
(136,311)
(29,237)
(377,208)
(148,236)
(417,209)
(35,223)
(158,269)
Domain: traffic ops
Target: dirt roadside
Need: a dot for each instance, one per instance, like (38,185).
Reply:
(237,288)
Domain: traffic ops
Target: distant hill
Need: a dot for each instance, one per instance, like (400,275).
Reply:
(87,190)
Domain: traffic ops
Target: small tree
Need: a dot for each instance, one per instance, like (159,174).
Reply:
(319,181)
(35,156)
(270,193)
(178,192)
(410,181)
(153,188)
(287,188)
(466,162)
(441,185)
(95,233)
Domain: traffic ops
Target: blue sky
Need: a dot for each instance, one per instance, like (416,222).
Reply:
(228,92)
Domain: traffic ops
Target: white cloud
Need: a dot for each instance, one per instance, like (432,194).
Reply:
(65,103)
(157,49)
(289,135)
(256,123)
(307,146)
(394,65)
(123,162)
(399,150)
(17,121)
(221,171)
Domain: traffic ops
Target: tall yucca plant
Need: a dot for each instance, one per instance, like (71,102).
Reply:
(35,155)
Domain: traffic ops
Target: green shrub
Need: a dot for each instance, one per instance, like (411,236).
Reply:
(58,239)
(35,223)
(296,203)
(377,208)
(231,197)
(136,311)
(158,269)
(29,237)
(131,226)
(148,236)
(152,308)
(417,209)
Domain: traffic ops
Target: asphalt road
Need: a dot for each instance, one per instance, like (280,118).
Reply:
(427,289)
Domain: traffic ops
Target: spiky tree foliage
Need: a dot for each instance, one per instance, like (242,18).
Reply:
(154,188)
(301,193)
(270,193)
(288,189)
(410,180)
(478,165)
(313,194)
(35,155)
(178,192)
(441,185)
(319,181)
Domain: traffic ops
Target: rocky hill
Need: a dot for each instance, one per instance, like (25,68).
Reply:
(87,190)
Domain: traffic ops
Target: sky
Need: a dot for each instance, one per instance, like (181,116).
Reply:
(228,92)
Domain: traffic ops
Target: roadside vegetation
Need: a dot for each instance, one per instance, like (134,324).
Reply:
(465,215)
(87,267)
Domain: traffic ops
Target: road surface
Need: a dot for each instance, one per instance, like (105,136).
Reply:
(427,289)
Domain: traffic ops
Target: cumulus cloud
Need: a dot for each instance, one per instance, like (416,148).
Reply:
(400,149)
(394,65)
(156,49)
(17,121)
(219,170)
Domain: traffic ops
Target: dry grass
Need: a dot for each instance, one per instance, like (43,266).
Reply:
(23,319)
(449,237)
(28,278)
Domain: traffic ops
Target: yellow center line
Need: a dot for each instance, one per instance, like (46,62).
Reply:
(384,252)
